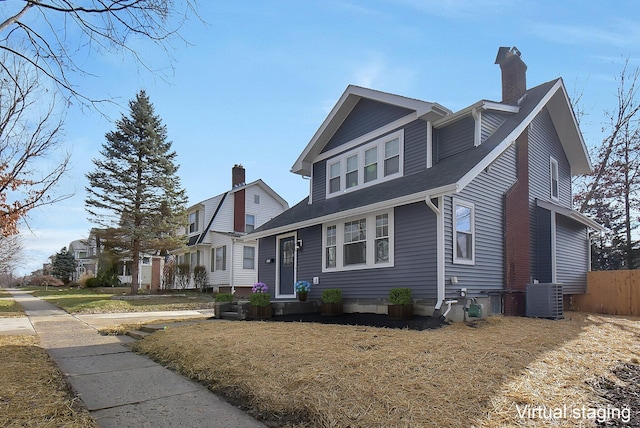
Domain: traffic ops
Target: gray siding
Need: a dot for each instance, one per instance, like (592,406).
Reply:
(366,116)
(453,139)
(267,271)
(490,122)
(571,265)
(319,186)
(415,147)
(414,255)
(486,192)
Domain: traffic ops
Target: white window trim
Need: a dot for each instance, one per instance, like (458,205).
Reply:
(224,259)
(360,151)
(456,260)
(371,238)
(196,222)
(254,257)
(554,163)
(255,221)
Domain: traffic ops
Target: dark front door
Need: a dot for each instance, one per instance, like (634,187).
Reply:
(286,266)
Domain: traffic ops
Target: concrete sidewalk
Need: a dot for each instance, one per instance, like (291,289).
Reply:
(121,388)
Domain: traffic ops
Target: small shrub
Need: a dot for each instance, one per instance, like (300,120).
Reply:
(92,282)
(223,297)
(200,276)
(332,295)
(400,296)
(260,299)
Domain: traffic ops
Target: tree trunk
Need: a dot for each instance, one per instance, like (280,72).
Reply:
(135,283)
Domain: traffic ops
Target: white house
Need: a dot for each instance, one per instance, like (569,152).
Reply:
(216,227)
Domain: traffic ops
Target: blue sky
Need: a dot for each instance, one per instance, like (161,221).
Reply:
(258,78)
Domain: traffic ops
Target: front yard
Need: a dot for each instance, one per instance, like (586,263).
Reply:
(99,300)
(502,372)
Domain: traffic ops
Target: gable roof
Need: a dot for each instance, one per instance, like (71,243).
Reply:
(197,239)
(452,174)
(420,110)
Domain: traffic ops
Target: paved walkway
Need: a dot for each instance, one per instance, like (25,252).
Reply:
(121,388)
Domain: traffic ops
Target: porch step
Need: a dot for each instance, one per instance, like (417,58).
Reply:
(138,334)
(231,315)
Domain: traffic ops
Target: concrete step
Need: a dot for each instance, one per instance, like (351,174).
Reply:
(230,315)
(137,334)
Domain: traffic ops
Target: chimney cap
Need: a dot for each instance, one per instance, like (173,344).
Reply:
(505,53)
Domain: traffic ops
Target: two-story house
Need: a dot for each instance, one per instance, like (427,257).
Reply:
(216,228)
(406,193)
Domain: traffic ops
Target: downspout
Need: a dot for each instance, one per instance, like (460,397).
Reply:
(231,271)
(439,212)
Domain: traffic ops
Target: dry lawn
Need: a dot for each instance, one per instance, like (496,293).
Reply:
(33,392)
(296,374)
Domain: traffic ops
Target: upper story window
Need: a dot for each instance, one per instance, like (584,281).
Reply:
(359,243)
(372,163)
(249,223)
(554,179)
(256,199)
(193,222)
(248,257)
(463,232)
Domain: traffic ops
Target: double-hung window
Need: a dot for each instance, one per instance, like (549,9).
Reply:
(248,257)
(366,165)
(219,258)
(391,157)
(554,179)
(249,223)
(463,232)
(359,243)
(193,222)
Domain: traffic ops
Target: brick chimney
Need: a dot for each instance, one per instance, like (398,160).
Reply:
(514,74)
(237,180)
(237,175)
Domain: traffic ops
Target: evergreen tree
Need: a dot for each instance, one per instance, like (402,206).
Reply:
(63,266)
(135,190)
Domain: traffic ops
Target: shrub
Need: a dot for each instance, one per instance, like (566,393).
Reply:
(332,295)
(200,276)
(260,299)
(92,282)
(44,280)
(400,296)
(223,297)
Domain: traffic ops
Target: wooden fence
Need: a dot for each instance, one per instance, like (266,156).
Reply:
(611,292)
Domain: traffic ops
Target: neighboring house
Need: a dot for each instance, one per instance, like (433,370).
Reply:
(406,193)
(216,228)
(84,252)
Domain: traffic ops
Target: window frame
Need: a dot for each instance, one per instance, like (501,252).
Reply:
(554,186)
(193,226)
(370,241)
(214,258)
(246,223)
(360,152)
(454,223)
(244,257)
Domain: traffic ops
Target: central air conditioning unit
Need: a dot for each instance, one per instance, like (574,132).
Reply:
(544,301)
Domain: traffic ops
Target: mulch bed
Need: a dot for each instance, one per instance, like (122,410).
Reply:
(623,392)
(365,319)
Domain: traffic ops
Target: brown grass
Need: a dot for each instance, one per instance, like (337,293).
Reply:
(297,374)
(33,392)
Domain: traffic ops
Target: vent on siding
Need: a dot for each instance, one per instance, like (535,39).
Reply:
(544,301)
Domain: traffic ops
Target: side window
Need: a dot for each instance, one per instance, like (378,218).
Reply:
(391,157)
(248,257)
(219,258)
(555,192)
(371,164)
(463,232)
(352,172)
(249,223)
(193,222)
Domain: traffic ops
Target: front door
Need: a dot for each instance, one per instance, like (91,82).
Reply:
(286,266)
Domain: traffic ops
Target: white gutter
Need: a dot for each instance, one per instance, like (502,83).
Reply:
(439,212)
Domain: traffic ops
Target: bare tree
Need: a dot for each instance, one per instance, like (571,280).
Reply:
(29,136)
(10,253)
(48,34)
